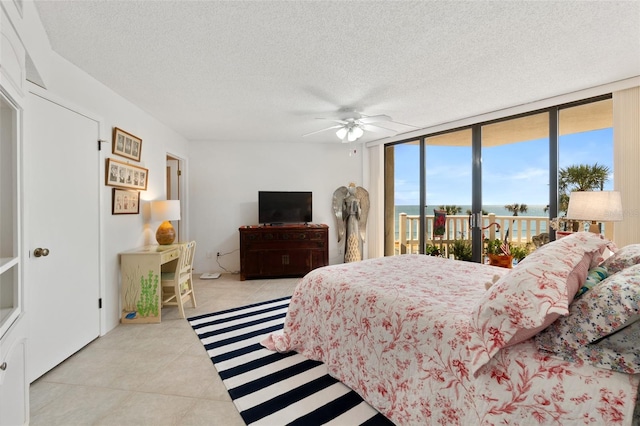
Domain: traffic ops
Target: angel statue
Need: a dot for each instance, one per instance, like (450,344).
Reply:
(351,207)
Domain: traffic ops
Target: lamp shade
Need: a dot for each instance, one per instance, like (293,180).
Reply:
(597,206)
(165,210)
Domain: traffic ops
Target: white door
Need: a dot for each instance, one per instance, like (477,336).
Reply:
(62,188)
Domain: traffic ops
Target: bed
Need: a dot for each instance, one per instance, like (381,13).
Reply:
(423,341)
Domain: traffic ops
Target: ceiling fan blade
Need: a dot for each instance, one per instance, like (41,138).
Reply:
(343,122)
(322,130)
(405,124)
(373,118)
(378,129)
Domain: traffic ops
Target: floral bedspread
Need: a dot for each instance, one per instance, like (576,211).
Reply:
(395,329)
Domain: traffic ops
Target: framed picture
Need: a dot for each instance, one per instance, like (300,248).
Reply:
(126,145)
(124,175)
(125,201)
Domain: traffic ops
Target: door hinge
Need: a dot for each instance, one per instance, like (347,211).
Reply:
(100,303)
(475,220)
(179,172)
(100,142)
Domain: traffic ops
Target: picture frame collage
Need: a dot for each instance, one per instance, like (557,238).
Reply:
(126,178)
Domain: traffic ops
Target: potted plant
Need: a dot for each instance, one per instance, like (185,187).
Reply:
(432,250)
(520,252)
(499,253)
(462,250)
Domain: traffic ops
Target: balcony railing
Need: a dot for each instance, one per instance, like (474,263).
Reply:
(520,230)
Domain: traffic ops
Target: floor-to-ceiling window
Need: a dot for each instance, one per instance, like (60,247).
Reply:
(448,190)
(508,167)
(585,150)
(515,176)
(402,180)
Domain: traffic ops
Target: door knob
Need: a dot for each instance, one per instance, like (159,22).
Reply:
(41,252)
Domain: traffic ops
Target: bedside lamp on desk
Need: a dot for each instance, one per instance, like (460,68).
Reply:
(165,211)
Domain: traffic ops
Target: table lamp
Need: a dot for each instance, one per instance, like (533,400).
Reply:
(165,211)
(595,206)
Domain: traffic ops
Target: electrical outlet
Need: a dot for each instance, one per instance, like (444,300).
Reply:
(218,254)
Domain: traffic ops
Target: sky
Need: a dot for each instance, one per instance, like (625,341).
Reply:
(512,173)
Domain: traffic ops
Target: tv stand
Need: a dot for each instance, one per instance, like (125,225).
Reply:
(283,250)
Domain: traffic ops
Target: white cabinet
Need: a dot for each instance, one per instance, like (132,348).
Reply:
(14,385)
(10,272)
(14,404)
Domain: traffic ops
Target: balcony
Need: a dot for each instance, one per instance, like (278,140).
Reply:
(521,231)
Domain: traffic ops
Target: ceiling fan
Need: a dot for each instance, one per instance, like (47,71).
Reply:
(352,128)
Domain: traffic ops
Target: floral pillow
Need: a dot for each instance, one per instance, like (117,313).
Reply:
(532,295)
(609,306)
(594,276)
(617,352)
(623,258)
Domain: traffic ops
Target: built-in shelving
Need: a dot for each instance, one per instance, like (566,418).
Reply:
(10,294)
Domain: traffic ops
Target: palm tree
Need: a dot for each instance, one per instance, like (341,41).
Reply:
(517,208)
(484,212)
(582,177)
(451,210)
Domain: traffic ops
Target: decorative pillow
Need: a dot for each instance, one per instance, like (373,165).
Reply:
(594,276)
(623,258)
(609,306)
(617,352)
(532,295)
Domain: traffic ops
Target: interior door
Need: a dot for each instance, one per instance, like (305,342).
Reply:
(62,190)
(173,191)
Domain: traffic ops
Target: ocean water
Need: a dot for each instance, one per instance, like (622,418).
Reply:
(533,210)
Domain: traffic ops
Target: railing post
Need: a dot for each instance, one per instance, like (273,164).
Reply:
(402,232)
(492,229)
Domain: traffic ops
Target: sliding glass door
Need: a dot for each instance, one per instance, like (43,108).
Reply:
(502,179)
(515,180)
(448,187)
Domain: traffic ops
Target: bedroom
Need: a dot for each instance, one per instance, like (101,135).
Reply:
(221,194)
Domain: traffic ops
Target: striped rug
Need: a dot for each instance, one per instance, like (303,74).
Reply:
(270,388)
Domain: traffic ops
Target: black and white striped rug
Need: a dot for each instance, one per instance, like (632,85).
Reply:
(270,388)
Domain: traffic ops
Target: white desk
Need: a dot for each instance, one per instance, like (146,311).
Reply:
(141,290)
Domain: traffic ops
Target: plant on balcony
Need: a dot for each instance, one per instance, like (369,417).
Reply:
(520,252)
(499,253)
(432,250)
(462,250)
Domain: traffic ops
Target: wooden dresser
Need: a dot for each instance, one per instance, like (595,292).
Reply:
(282,251)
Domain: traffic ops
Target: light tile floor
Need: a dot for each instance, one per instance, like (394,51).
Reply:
(150,374)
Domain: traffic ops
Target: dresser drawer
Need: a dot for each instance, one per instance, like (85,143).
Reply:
(169,256)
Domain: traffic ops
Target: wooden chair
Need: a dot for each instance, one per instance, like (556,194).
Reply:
(178,286)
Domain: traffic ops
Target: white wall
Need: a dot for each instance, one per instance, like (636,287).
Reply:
(225,179)
(75,88)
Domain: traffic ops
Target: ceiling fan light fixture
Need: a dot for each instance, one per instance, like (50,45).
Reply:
(341,133)
(358,132)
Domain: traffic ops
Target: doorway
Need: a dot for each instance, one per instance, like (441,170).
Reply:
(174,191)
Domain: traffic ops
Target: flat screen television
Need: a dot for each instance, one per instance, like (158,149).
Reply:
(279,207)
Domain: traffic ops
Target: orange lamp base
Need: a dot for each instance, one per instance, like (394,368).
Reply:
(165,234)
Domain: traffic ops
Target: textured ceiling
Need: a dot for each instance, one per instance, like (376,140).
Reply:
(266,70)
